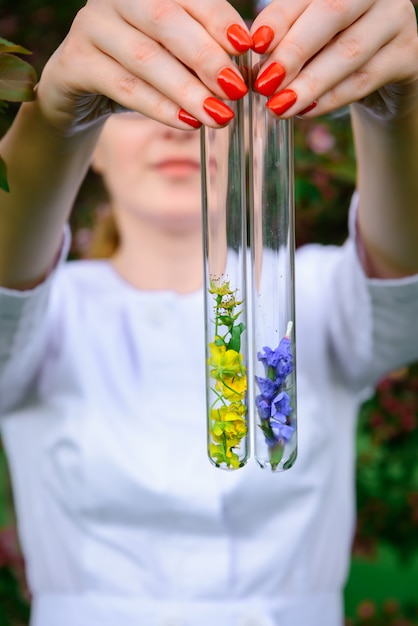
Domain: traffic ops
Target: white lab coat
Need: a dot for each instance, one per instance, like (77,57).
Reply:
(122,519)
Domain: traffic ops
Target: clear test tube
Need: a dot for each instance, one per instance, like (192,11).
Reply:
(224,247)
(271,178)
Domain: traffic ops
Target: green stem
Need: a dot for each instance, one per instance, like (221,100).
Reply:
(219,397)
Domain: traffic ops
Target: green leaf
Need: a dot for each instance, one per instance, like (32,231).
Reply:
(290,460)
(235,341)
(8,46)
(3,176)
(17,79)
(226,320)
(276,454)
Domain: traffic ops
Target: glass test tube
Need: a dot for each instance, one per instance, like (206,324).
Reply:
(271,179)
(224,246)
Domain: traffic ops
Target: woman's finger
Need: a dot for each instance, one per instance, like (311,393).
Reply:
(220,21)
(311,73)
(159,58)
(370,84)
(198,36)
(303,34)
(140,61)
(273,22)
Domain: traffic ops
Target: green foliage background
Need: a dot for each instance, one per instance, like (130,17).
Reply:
(382,586)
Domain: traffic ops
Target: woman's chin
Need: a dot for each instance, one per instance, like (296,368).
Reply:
(182,224)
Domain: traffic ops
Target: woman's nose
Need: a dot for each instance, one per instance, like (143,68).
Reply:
(180,135)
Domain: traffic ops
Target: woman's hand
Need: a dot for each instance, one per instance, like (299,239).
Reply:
(324,54)
(169,60)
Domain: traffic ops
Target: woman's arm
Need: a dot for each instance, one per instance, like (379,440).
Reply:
(333,53)
(45,171)
(126,52)
(387,159)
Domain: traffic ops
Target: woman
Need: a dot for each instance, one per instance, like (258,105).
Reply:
(122,519)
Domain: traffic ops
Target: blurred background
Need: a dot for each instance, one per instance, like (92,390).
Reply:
(382,589)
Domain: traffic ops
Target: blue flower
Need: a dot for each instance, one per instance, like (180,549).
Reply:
(281,407)
(268,388)
(280,359)
(264,407)
(268,357)
(273,403)
(281,432)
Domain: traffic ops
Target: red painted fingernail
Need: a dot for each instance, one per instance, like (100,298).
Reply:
(309,108)
(239,38)
(282,101)
(218,110)
(262,38)
(232,84)
(184,116)
(270,79)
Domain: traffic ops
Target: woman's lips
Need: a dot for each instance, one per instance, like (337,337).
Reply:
(178,167)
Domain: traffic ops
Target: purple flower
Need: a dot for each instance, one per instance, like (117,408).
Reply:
(268,357)
(281,432)
(281,407)
(280,410)
(264,407)
(273,404)
(268,388)
(280,359)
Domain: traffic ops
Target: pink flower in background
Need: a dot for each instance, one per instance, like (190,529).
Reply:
(319,139)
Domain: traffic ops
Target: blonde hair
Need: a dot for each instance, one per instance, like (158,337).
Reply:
(105,238)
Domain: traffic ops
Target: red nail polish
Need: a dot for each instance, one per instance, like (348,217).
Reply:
(309,108)
(282,101)
(218,110)
(232,84)
(239,38)
(262,38)
(184,116)
(270,79)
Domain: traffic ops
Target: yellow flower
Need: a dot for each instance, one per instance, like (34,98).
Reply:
(219,287)
(215,451)
(219,455)
(233,460)
(224,362)
(229,422)
(235,431)
(232,387)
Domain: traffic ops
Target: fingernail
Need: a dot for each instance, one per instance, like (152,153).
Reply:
(239,38)
(262,38)
(309,108)
(270,79)
(184,116)
(232,84)
(218,110)
(282,101)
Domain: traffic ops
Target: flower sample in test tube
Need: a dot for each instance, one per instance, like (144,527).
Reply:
(272,287)
(225,244)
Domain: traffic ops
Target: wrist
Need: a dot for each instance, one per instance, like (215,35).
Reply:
(68,117)
(394,105)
